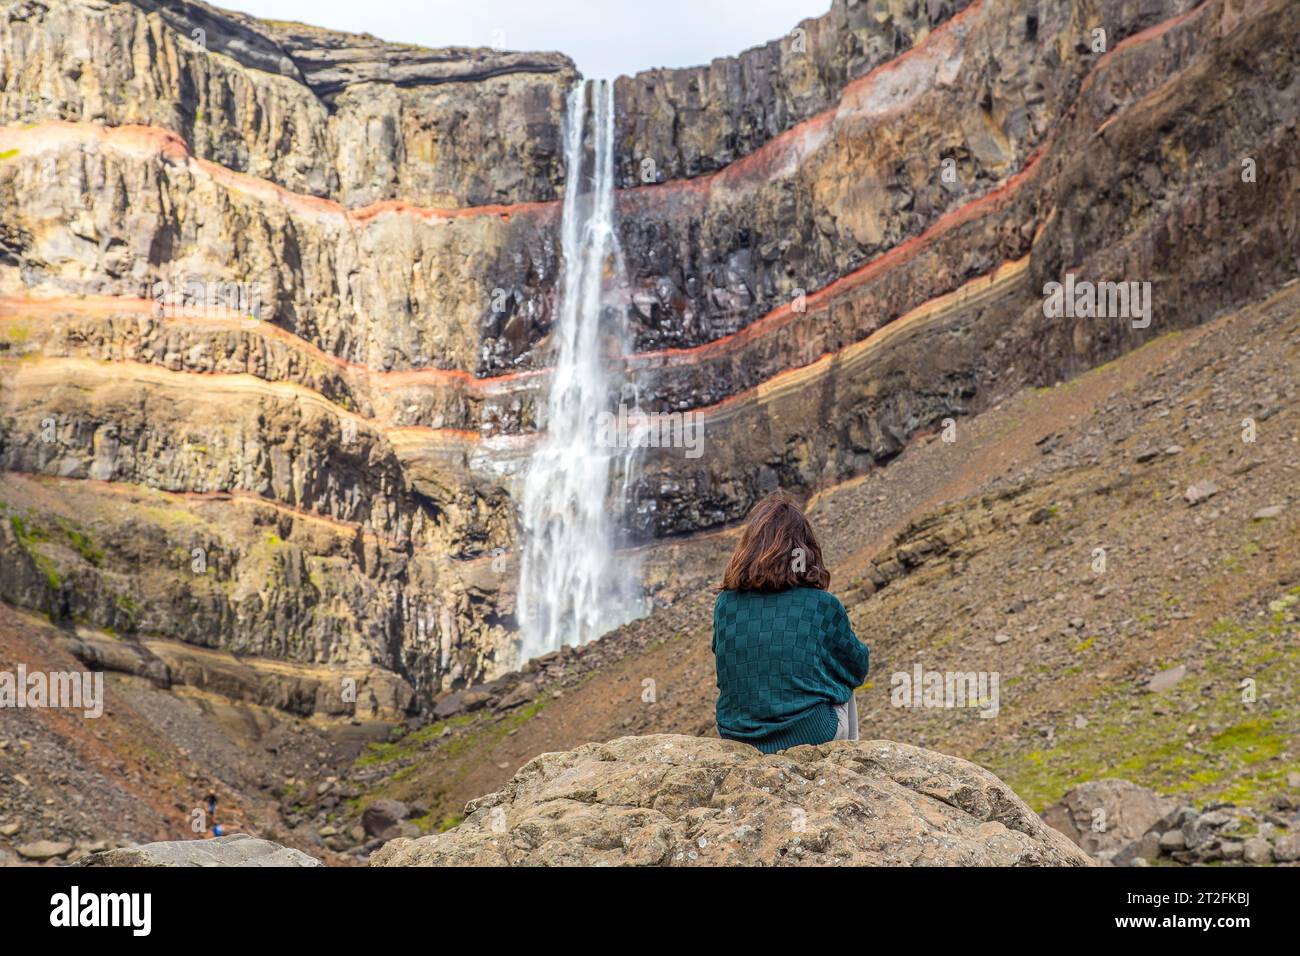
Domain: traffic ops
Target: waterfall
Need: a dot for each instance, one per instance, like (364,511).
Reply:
(572,588)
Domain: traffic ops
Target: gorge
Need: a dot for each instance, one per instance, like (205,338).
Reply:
(359,533)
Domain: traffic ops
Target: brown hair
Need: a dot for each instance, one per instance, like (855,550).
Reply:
(777,550)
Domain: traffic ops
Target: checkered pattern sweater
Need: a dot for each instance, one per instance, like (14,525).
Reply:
(784,660)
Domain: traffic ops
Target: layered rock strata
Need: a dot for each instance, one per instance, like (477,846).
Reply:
(875,207)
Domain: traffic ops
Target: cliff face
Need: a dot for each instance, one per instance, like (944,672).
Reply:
(324,114)
(835,242)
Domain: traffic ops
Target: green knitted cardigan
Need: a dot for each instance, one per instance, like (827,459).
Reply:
(784,660)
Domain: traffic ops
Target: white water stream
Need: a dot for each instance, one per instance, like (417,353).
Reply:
(573,587)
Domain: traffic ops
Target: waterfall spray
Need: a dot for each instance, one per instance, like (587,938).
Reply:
(571,589)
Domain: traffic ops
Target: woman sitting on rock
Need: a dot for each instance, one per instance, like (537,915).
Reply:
(787,658)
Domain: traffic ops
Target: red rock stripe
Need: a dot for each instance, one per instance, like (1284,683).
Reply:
(18,307)
(895,256)
(777,318)
(771,152)
(172,147)
(1139,39)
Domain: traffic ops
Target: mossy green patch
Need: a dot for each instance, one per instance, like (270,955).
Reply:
(17,332)
(29,537)
(27,534)
(81,542)
(1207,738)
(409,745)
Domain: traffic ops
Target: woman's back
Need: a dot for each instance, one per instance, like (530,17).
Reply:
(786,655)
(784,660)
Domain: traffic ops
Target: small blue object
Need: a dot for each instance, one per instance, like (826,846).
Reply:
(216,829)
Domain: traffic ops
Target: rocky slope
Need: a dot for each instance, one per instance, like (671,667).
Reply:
(1117,822)
(979,555)
(687,801)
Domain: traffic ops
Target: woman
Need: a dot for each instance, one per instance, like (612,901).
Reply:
(787,658)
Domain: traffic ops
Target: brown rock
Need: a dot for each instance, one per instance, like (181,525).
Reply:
(43,850)
(382,815)
(523,692)
(1108,817)
(1285,850)
(691,801)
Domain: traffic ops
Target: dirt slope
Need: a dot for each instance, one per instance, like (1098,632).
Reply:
(983,552)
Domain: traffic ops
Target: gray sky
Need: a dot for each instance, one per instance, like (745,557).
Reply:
(605,38)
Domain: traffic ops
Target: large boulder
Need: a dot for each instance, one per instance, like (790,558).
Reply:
(694,801)
(237,849)
(1109,819)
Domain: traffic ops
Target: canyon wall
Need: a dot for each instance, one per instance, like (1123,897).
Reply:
(834,242)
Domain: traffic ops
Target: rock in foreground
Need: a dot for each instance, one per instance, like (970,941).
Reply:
(1113,820)
(238,849)
(694,801)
